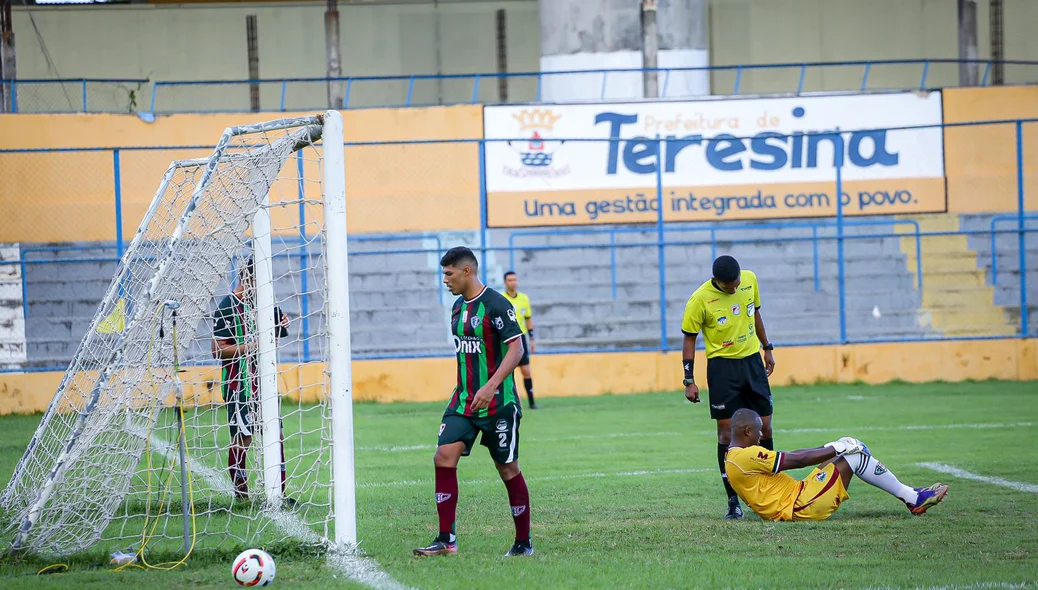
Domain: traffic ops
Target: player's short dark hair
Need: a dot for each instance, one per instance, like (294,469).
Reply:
(726,269)
(459,256)
(510,273)
(743,417)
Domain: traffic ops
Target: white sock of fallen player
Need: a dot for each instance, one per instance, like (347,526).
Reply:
(872,472)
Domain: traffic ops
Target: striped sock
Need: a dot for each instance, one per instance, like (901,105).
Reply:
(872,472)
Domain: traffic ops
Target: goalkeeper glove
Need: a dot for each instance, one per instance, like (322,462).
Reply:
(846,446)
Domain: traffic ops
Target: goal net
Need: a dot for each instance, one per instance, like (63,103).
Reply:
(208,405)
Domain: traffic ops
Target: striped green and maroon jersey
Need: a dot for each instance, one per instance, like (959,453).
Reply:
(233,322)
(483,328)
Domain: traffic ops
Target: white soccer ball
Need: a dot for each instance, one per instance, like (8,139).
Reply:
(253,567)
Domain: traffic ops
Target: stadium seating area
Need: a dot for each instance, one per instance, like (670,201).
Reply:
(1006,280)
(589,294)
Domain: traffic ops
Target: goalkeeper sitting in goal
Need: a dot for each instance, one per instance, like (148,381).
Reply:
(234,343)
(756,474)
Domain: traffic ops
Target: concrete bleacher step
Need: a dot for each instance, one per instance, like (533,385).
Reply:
(1013,318)
(956,280)
(680,279)
(749,258)
(62,290)
(1007,292)
(962,297)
(993,321)
(956,299)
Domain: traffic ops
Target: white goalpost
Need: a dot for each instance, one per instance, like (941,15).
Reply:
(140,448)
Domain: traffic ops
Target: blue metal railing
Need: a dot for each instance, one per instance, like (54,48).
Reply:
(28,255)
(663,230)
(606,74)
(994,234)
(26,259)
(814,226)
(392,95)
(13,87)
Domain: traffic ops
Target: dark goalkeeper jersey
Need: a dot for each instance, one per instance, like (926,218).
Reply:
(482,330)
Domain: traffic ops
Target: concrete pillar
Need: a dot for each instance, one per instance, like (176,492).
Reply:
(968,42)
(606,34)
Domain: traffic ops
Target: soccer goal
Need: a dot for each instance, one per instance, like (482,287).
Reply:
(209,404)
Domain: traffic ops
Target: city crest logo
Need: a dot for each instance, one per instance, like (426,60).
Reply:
(537,152)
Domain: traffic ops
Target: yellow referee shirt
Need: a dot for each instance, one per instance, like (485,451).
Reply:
(521,303)
(725,321)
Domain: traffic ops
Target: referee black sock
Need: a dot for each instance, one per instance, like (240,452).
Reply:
(722,450)
(768,443)
(528,384)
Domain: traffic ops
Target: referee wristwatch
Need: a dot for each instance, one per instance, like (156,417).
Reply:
(687,382)
(768,346)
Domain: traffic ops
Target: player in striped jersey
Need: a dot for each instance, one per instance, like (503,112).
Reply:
(234,343)
(487,341)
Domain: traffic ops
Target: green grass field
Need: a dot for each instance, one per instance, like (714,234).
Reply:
(626,494)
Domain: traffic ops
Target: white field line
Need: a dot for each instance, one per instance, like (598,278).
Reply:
(963,474)
(427,447)
(847,430)
(974,586)
(594,475)
(218,481)
(354,565)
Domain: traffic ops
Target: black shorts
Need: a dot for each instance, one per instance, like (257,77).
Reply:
(737,383)
(526,352)
(241,416)
(500,433)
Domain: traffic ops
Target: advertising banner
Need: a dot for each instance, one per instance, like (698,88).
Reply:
(721,159)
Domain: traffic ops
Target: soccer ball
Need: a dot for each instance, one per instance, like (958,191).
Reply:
(253,567)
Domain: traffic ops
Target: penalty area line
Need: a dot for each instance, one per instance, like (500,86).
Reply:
(963,474)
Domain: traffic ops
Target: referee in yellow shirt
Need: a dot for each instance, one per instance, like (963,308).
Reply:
(524,313)
(726,310)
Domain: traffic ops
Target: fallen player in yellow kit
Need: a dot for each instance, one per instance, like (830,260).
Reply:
(756,474)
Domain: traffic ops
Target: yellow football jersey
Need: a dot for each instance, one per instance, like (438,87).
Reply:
(753,473)
(521,303)
(725,321)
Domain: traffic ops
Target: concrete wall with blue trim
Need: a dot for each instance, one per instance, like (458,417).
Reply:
(207,41)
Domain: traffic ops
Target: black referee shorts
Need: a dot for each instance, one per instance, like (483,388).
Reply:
(737,383)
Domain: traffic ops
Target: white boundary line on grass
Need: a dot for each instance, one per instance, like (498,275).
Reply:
(852,429)
(358,568)
(594,475)
(963,474)
(974,586)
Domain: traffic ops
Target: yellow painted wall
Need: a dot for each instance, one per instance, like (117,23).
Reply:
(69,196)
(981,160)
(430,380)
(54,197)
